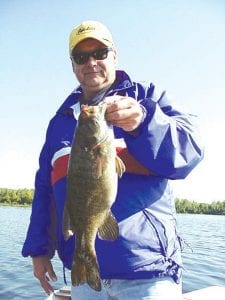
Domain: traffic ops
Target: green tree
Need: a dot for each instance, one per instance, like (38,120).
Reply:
(16,197)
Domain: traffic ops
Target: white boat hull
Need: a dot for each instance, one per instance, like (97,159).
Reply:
(209,293)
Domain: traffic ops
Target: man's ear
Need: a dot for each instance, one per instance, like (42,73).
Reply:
(73,67)
(115,56)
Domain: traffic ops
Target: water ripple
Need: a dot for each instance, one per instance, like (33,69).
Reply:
(203,266)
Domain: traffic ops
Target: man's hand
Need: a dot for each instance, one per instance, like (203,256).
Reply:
(43,271)
(124,112)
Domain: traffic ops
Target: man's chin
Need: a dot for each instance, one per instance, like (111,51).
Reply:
(97,83)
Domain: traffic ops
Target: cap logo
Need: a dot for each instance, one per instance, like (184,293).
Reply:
(90,29)
(87,28)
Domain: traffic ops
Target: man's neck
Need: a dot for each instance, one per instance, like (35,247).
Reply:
(94,98)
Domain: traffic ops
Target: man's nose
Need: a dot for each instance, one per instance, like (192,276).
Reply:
(91,61)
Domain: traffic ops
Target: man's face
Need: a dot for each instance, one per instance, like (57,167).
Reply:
(94,74)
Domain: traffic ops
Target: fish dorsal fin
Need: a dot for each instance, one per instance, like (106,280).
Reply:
(109,229)
(120,167)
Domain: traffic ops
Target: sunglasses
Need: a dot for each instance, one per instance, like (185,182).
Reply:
(81,58)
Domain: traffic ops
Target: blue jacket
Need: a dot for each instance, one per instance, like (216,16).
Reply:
(165,146)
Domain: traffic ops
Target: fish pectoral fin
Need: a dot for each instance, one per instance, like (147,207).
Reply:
(66,227)
(109,229)
(120,167)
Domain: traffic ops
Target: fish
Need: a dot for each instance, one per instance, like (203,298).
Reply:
(92,180)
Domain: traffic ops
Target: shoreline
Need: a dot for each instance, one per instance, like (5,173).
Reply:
(181,213)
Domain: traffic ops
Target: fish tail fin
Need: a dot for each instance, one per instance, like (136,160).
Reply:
(85,269)
(78,273)
(92,271)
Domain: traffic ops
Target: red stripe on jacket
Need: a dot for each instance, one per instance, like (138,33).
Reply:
(60,166)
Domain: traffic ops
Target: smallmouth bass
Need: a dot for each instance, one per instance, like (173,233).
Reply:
(92,179)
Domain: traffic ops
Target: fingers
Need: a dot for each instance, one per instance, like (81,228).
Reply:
(117,103)
(43,271)
(44,279)
(112,99)
(47,287)
(50,272)
(124,112)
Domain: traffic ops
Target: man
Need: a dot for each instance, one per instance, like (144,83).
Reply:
(156,142)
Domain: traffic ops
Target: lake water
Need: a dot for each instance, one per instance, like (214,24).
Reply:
(204,262)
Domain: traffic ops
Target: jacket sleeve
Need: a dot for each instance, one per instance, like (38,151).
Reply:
(167,142)
(40,239)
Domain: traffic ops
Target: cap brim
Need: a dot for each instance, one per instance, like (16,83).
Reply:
(90,36)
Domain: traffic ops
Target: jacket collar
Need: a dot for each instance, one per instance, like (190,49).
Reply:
(71,105)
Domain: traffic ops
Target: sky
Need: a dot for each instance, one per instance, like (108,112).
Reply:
(178,45)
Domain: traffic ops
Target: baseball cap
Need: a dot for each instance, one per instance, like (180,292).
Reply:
(90,29)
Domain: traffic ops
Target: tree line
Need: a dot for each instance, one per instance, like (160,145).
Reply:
(183,206)
(16,197)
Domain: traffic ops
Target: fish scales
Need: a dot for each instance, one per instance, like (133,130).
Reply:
(91,190)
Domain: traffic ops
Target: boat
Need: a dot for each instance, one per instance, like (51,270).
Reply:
(61,294)
(208,293)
